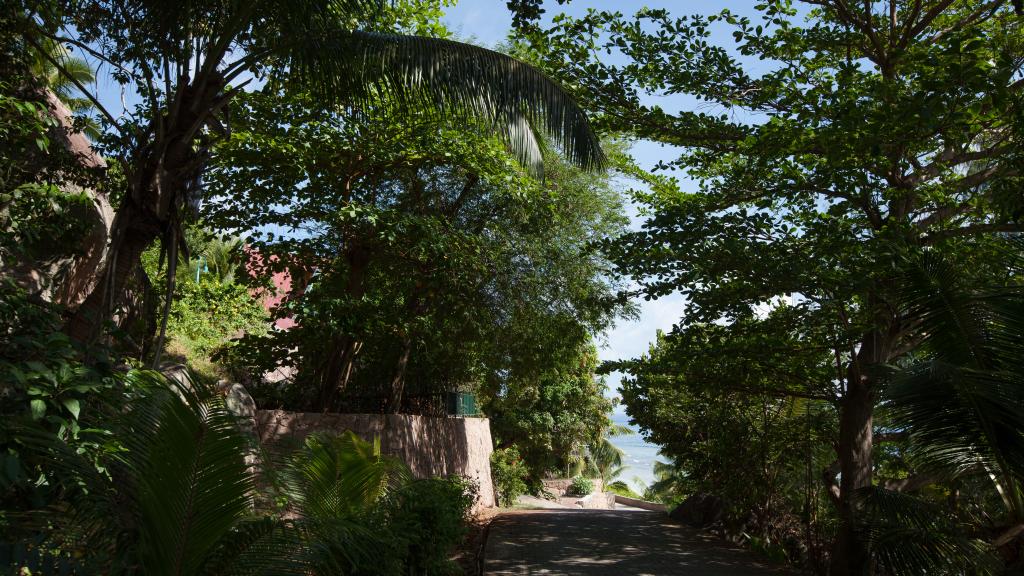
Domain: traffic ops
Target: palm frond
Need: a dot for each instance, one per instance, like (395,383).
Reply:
(192,485)
(263,546)
(458,79)
(911,536)
(342,476)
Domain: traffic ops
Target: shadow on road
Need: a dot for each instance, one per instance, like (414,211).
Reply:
(606,542)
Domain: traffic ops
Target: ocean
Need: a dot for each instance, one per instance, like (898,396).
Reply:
(638,456)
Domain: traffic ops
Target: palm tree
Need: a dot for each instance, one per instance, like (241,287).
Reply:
(189,59)
(64,82)
(961,400)
(606,459)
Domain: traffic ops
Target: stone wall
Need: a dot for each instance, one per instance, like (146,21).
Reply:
(633,502)
(430,446)
(558,486)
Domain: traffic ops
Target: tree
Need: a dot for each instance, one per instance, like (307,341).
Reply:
(827,149)
(74,72)
(551,416)
(187,63)
(423,258)
(606,459)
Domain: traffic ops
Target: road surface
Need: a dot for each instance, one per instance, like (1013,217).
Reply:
(610,543)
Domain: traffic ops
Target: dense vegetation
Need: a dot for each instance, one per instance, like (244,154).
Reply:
(438,226)
(342,208)
(851,201)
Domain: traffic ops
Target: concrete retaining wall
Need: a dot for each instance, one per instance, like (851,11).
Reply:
(640,504)
(597,501)
(430,446)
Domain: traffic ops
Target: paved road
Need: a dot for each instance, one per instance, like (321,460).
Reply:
(610,543)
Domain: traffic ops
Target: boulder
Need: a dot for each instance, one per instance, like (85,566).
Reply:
(699,510)
(240,403)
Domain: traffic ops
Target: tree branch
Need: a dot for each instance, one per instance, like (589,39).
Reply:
(971,230)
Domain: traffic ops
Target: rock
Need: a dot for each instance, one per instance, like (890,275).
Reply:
(57,274)
(177,374)
(240,403)
(699,510)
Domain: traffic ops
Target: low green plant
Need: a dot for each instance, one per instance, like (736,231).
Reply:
(431,515)
(206,315)
(580,486)
(509,473)
(622,489)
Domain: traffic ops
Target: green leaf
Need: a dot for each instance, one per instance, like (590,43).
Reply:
(72,405)
(38,408)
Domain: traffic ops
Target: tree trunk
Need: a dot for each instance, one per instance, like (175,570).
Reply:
(343,350)
(161,174)
(851,556)
(398,382)
(130,236)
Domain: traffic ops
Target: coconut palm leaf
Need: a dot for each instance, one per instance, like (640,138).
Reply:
(341,477)
(176,499)
(460,80)
(335,485)
(192,486)
(909,536)
(962,400)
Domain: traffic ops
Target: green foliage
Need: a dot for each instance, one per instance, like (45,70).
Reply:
(177,497)
(829,144)
(207,315)
(432,518)
(580,486)
(40,371)
(339,477)
(174,499)
(606,459)
(509,474)
(428,260)
(552,416)
(622,489)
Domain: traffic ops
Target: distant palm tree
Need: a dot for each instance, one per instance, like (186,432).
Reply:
(606,459)
(64,81)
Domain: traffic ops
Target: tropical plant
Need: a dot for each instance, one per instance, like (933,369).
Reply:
(606,458)
(208,315)
(828,141)
(959,401)
(176,499)
(431,515)
(622,488)
(339,487)
(580,486)
(67,76)
(509,473)
(187,63)
(405,250)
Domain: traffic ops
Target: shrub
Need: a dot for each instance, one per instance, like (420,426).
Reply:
(622,489)
(432,517)
(508,472)
(580,486)
(208,314)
